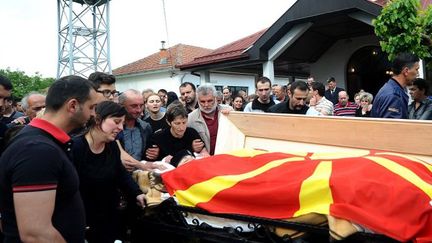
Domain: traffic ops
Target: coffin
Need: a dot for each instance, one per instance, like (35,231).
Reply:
(296,135)
(284,133)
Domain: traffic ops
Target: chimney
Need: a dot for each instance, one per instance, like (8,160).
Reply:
(163,54)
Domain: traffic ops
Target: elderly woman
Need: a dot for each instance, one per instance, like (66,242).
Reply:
(365,107)
(178,136)
(97,159)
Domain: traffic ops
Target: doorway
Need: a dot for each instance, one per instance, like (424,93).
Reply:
(368,69)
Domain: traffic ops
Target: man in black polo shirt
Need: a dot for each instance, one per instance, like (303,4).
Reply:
(296,104)
(40,200)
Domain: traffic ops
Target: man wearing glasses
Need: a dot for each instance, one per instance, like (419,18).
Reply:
(105,84)
(263,101)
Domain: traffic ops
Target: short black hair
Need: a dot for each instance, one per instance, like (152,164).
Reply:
(175,109)
(319,87)
(172,96)
(99,78)
(6,83)
(185,84)
(66,88)
(422,85)
(402,60)
(263,79)
(331,79)
(104,110)
(163,91)
(301,85)
(109,108)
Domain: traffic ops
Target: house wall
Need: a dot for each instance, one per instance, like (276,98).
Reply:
(163,80)
(334,62)
(155,81)
(220,79)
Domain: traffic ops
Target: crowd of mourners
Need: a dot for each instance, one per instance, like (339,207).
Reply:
(68,155)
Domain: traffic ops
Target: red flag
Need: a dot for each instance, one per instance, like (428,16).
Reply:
(388,193)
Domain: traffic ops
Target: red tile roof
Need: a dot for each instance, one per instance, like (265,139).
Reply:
(236,49)
(233,50)
(180,54)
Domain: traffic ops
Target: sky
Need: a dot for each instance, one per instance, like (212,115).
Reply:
(28,40)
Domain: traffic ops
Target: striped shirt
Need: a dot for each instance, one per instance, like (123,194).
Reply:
(324,106)
(348,110)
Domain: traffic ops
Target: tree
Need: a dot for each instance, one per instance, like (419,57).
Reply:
(23,84)
(403,26)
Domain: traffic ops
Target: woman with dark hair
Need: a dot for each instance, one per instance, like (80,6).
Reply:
(238,103)
(172,96)
(97,159)
(178,136)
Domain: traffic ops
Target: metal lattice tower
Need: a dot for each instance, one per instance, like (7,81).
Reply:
(83,37)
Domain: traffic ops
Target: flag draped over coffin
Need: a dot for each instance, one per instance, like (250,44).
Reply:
(386,192)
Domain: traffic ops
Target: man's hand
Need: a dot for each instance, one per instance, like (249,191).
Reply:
(152,153)
(197,145)
(22,120)
(226,110)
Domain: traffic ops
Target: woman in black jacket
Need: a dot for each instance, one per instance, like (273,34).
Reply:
(102,175)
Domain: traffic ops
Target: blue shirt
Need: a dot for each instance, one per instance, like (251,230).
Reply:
(391,101)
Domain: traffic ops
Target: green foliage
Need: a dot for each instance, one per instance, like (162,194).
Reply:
(23,84)
(403,27)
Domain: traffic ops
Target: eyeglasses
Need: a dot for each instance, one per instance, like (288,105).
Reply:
(107,93)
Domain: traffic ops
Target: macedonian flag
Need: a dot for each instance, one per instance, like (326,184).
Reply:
(386,192)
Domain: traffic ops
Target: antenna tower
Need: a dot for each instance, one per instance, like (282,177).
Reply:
(83,37)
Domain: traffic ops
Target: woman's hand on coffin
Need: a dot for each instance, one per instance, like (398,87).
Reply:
(167,159)
(197,145)
(150,166)
(130,163)
(203,154)
(152,153)
(141,200)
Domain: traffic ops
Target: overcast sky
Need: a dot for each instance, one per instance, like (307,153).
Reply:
(28,40)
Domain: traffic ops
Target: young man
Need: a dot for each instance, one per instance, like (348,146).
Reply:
(264,101)
(392,99)
(39,185)
(318,101)
(105,86)
(332,92)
